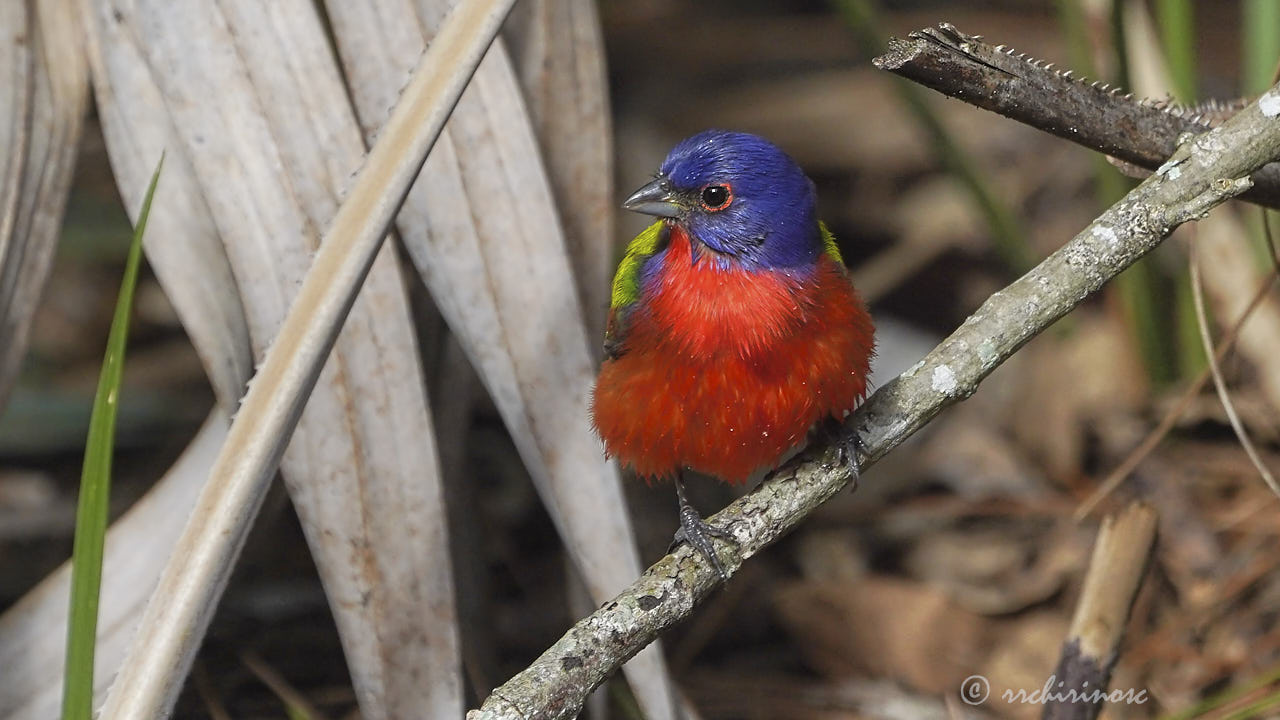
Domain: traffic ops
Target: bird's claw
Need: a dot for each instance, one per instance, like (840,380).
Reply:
(697,533)
(848,444)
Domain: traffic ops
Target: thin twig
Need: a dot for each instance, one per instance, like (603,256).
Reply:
(1206,171)
(1197,295)
(1153,438)
(283,689)
(208,693)
(1228,341)
(1094,114)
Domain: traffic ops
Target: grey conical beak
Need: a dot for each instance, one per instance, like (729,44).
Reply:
(656,198)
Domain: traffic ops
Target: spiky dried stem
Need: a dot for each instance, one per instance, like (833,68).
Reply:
(1204,172)
(1091,113)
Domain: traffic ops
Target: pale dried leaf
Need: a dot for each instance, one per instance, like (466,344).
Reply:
(558,48)
(44,91)
(997,570)
(1107,381)
(271,149)
(1147,69)
(481,226)
(1230,273)
(975,457)
(1025,651)
(884,627)
(182,243)
(190,263)
(16,71)
(33,632)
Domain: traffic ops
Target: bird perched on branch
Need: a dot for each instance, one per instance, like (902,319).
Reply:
(733,330)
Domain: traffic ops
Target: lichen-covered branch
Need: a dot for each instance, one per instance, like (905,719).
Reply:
(1203,172)
(996,78)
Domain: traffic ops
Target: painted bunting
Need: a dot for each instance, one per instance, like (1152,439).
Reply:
(734,329)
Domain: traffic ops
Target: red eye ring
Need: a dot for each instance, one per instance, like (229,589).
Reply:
(715,196)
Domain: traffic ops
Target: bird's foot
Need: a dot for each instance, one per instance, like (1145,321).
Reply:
(848,445)
(697,533)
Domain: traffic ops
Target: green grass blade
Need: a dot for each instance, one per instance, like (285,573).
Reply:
(1072,20)
(1178,40)
(1178,35)
(95,490)
(1120,51)
(1008,236)
(1261,28)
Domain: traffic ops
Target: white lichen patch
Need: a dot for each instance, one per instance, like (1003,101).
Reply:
(1107,234)
(1170,168)
(944,380)
(1210,147)
(988,353)
(1269,103)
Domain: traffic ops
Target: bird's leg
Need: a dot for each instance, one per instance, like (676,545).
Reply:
(848,445)
(698,532)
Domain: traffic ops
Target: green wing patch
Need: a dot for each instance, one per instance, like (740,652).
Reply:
(828,244)
(626,286)
(626,282)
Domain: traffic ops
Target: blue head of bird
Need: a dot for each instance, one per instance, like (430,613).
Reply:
(739,196)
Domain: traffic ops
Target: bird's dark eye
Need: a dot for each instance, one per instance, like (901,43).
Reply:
(716,197)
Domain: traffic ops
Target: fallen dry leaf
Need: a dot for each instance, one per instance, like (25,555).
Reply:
(884,627)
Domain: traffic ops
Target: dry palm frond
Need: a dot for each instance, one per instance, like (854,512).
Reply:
(481,227)
(44,90)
